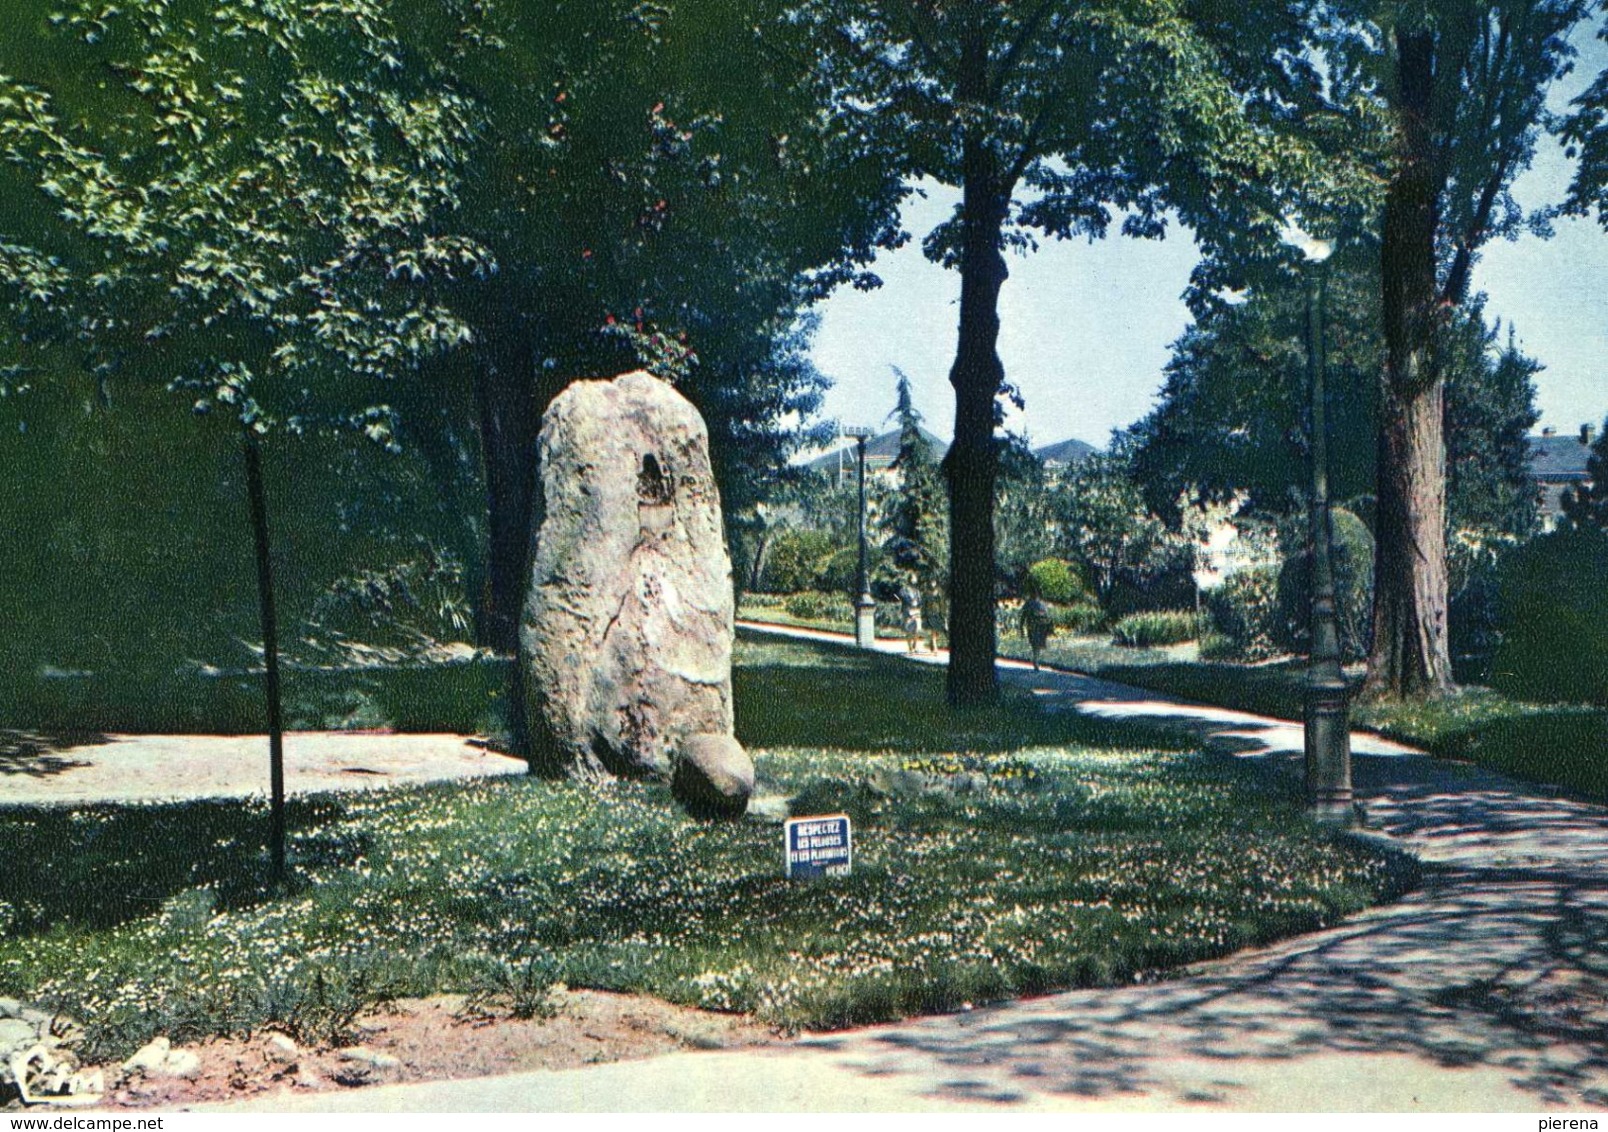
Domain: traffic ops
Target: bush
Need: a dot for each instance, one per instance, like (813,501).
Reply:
(1160,627)
(1554,610)
(1167,589)
(1057,581)
(1082,617)
(1473,624)
(1245,610)
(812,605)
(1353,591)
(840,572)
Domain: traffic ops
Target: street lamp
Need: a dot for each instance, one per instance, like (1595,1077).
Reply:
(865,606)
(1327,715)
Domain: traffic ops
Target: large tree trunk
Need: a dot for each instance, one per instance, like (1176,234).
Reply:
(510,418)
(972,464)
(1410,654)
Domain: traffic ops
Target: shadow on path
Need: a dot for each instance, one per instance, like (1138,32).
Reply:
(1493,978)
(1486,989)
(39,755)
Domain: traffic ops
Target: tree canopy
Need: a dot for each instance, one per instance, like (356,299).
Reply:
(1053,118)
(248,202)
(1233,414)
(666,186)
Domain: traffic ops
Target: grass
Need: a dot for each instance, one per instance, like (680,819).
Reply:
(460,697)
(771,609)
(997,854)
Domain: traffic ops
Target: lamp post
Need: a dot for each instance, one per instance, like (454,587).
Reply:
(1327,716)
(865,606)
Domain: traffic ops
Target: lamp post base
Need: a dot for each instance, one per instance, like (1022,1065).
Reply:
(1337,809)
(865,622)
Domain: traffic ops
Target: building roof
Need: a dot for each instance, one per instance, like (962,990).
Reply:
(879,452)
(1558,457)
(1068,451)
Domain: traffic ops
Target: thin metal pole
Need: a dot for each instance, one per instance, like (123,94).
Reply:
(270,651)
(1328,729)
(865,607)
(862,580)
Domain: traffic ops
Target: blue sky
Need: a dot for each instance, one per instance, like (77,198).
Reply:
(1085,328)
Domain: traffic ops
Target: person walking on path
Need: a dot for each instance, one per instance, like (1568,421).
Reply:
(1037,625)
(910,613)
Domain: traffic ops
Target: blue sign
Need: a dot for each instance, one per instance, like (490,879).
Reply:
(818,846)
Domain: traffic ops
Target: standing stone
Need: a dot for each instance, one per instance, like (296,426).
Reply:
(626,637)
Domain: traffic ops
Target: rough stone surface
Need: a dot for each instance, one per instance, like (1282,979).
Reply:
(15,1034)
(280,1049)
(714,775)
(149,1057)
(182,1064)
(627,632)
(363,1066)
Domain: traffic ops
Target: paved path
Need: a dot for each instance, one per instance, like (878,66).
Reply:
(79,770)
(1487,990)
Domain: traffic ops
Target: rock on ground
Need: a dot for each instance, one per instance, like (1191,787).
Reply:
(626,636)
(714,776)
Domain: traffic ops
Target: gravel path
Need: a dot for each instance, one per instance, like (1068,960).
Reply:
(79,770)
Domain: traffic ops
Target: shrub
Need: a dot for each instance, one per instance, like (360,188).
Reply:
(1353,591)
(1082,617)
(1167,589)
(812,605)
(405,607)
(1215,646)
(840,572)
(1057,581)
(1245,610)
(1473,624)
(796,561)
(1554,610)
(1159,627)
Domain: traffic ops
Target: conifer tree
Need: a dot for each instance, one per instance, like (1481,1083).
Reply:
(916,521)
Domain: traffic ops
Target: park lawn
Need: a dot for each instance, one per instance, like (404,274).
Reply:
(770,609)
(1562,745)
(996,854)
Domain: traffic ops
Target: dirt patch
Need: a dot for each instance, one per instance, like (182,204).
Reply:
(442,1038)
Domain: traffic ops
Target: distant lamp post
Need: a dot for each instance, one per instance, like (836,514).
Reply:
(1327,716)
(865,606)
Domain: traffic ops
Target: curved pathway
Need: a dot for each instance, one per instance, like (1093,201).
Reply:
(1485,990)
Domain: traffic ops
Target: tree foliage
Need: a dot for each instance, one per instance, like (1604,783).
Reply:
(665,186)
(1233,411)
(250,201)
(914,515)
(1585,135)
(1104,526)
(1587,505)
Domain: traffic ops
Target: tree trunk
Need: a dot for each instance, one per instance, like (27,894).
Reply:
(510,418)
(270,654)
(972,464)
(1410,654)
(756,569)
